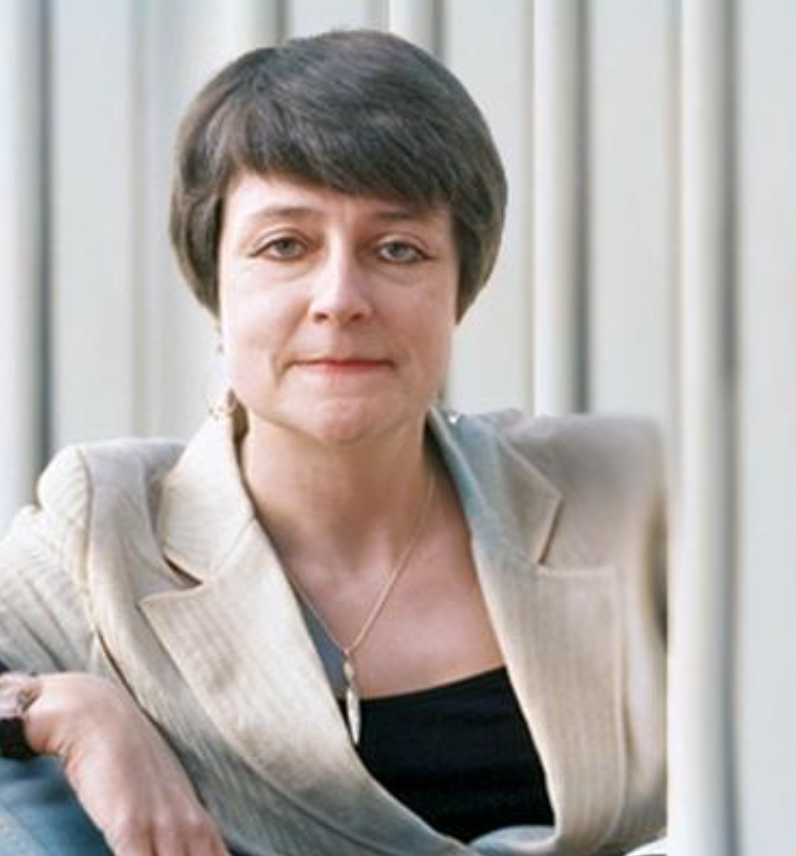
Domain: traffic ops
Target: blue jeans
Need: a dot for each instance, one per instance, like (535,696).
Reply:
(39,814)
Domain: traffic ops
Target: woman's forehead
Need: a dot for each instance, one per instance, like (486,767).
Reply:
(277,196)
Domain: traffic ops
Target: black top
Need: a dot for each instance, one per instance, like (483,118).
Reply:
(459,755)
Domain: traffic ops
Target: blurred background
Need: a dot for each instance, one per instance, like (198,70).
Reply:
(649,266)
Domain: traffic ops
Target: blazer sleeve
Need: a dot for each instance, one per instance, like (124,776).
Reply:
(44,624)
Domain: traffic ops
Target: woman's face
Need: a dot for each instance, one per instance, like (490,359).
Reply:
(336,311)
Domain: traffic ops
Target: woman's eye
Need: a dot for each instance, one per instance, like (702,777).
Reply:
(400,253)
(283,248)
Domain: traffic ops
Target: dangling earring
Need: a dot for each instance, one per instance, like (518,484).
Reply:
(225,405)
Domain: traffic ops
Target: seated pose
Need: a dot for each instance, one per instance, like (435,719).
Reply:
(343,620)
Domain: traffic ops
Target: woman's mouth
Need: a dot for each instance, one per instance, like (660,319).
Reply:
(344,365)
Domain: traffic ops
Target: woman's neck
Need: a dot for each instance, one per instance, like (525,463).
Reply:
(348,510)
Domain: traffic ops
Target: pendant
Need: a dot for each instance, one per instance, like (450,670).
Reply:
(353,713)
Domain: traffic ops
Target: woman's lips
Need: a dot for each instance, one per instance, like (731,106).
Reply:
(347,365)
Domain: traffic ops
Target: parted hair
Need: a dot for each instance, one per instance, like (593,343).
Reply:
(362,112)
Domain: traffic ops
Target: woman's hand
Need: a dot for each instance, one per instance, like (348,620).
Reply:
(124,774)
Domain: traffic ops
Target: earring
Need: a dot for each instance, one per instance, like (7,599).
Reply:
(225,407)
(219,406)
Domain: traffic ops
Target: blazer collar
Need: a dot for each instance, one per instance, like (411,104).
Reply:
(205,508)
(504,496)
(297,742)
(547,621)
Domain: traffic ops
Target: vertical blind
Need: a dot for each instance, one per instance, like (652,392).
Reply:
(649,266)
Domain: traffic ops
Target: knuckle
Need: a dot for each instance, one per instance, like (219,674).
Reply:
(191,825)
(129,834)
(198,824)
(136,830)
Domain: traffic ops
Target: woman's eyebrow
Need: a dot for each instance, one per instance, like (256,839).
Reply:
(404,212)
(274,212)
(256,220)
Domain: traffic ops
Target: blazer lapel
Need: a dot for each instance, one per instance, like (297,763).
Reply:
(263,685)
(557,628)
(261,681)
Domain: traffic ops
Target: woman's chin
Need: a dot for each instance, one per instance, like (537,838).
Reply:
(340,424)
(344,429)
(348,423)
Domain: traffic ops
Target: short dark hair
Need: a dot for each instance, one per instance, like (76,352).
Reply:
(360,111)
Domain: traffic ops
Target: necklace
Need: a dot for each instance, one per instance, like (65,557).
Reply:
(352,696)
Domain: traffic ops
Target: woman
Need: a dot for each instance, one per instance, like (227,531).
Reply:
(358,623)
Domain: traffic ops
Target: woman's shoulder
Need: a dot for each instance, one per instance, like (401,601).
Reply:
(616,441)
(122,469)
(609,459)
(573,430)
(91,500)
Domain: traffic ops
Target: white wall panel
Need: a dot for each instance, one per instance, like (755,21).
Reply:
(94,264)
(416,20)
(492,54)
(305,17)
(190,39)
(766,690)
(560,168)
(702,783)
(631,197)
(22,429)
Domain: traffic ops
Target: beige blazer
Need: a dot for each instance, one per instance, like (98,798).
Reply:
(143,561)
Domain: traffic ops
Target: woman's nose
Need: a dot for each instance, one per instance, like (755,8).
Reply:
(340,292)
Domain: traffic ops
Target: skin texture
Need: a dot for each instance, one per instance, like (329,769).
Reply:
(336,311)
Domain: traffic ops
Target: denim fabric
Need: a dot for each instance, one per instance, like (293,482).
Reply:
(39,814)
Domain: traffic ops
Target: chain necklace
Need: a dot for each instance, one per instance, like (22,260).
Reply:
(352,696)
